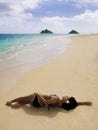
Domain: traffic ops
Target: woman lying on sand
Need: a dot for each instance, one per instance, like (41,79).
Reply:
(38,100)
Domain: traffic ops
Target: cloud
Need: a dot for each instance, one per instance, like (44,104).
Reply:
(21,5)
(86,22)
(4,7)
(14,19)
(55,23)
(89,16)
(81,1)
(87,1)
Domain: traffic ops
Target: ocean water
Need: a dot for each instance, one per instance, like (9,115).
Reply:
(30,49)
(20,53)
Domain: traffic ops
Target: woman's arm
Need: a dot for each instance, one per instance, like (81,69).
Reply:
(52,99)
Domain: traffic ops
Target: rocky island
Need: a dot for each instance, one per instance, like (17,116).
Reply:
(46,31)
(73,32)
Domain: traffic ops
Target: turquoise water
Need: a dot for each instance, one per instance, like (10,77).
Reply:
(33,49)
(9,41)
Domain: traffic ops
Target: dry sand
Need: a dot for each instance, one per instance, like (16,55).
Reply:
(74,73)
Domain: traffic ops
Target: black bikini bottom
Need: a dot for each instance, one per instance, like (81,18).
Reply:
(35,103)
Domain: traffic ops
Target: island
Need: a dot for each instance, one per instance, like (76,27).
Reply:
(73,32)
(46,31)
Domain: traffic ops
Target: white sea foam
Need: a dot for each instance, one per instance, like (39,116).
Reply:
(25,55)
(34,53)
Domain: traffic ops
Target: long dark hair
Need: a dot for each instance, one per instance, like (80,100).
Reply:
(73,104)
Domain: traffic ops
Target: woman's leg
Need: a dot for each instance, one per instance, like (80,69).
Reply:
(21,101)
(15,105)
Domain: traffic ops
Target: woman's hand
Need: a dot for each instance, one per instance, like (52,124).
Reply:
(65,98)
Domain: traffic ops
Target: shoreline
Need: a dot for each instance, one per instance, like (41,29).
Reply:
(73,73)
(10,75)
(69,65)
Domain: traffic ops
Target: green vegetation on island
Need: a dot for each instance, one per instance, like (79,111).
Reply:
(73,32)
(46,31)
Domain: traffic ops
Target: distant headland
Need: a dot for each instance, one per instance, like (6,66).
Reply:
(46,31)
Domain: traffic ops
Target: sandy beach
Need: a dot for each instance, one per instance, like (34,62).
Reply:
(74,73)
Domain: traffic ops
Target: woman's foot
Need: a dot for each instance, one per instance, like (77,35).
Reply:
(15,105)
(8,103)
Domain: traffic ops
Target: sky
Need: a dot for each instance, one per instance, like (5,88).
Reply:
(59,16)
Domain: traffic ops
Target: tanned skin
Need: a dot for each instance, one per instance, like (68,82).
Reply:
(44,100)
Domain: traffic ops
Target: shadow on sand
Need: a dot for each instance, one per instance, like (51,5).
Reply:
(43,111)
